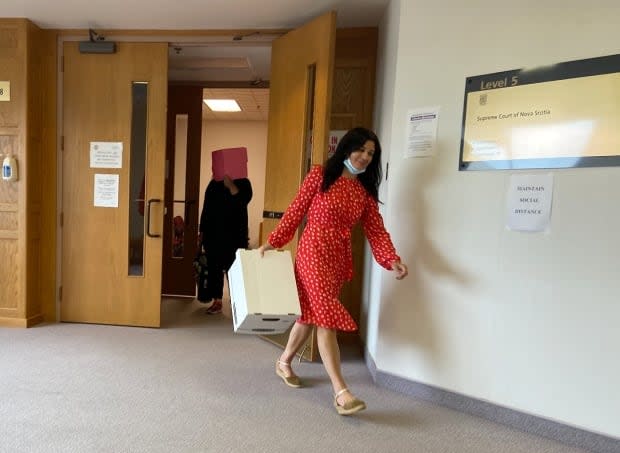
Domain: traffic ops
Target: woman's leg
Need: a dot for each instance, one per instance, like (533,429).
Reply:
(330,354)
(215,279)
(298,336)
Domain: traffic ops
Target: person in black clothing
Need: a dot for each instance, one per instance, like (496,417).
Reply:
(223,230)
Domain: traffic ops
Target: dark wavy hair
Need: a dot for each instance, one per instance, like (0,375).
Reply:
(353,140)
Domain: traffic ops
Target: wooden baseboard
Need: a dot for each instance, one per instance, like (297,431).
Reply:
(21,322)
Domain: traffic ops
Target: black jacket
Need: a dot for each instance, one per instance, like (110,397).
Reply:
(224,217)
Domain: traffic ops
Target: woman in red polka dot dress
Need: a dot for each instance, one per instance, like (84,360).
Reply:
(333,199)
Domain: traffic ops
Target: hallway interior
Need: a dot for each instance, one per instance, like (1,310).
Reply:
(195,386)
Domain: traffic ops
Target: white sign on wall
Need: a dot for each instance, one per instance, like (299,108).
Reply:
(421,132)
(528,206)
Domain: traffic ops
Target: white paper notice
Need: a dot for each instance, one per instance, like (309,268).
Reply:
(529,199)
(421,131)
(106,191)
(106,154)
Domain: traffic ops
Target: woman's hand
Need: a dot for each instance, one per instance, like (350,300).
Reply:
(400,269)
(230,185)
(263,248)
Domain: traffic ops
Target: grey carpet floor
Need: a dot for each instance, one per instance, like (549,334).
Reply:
(195,386)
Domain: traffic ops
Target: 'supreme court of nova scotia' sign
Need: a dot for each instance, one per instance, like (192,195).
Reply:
(558,116)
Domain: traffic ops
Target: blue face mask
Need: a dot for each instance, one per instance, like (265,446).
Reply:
(351,168)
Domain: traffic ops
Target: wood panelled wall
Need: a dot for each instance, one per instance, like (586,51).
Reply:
(353,95)
(28,206)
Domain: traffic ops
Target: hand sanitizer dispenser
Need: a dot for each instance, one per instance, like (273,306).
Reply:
(9,168)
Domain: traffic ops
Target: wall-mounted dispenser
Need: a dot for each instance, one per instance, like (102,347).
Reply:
(9,168)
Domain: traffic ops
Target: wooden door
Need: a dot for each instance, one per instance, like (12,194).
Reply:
(352,106)
(299,113)
(182,217)
(112,209)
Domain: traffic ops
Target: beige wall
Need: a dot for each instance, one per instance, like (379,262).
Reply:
(229,134)
(525,321)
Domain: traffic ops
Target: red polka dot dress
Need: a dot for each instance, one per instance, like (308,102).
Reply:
(324,258)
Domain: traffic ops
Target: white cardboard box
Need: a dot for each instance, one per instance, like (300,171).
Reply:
(263,292)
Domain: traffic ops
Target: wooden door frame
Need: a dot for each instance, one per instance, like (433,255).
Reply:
(184,88)
(177,36)
(195,37)
(182,100)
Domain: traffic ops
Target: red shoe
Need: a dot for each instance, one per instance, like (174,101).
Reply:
(216,308)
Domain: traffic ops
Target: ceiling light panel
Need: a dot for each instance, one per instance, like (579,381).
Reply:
(223,105)
(254,104)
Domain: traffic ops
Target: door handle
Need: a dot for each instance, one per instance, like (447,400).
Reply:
(148,217)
